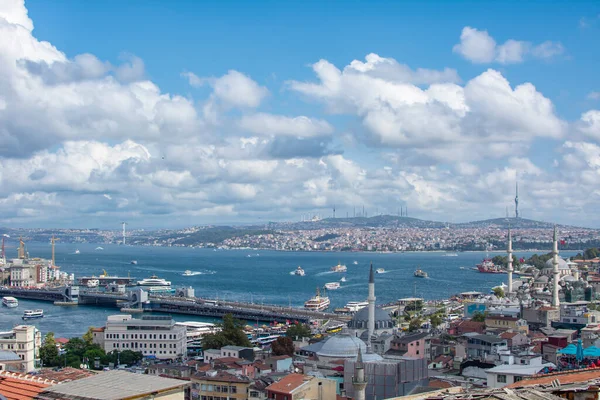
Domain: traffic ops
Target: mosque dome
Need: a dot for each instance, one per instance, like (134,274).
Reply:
(342,345)
(360,320)
(562,264)
(541,279)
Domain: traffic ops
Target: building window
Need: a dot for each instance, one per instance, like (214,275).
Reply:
(501,378)
(518,378)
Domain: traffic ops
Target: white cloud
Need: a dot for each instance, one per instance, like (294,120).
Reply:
(269,124)
(589,124)
(479,47)
(234,88)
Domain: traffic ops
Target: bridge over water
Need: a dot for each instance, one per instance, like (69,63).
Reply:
(140,300)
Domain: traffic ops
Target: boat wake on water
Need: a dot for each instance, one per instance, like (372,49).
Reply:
(325,273)
(203,272)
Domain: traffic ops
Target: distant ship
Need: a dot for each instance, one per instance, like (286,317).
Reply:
(451,254)
(187,273)
(339,268)
(332,285)
(380,271)
(134,262)
(355,263)
(419,273)
(487,266)
(317,303)
(299,271)
(77,251)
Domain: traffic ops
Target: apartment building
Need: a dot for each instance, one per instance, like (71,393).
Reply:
(25,342)
(156,336)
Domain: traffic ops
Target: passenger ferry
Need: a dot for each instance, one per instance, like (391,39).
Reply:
(339,268)
(154,281)
(32,314)
(10,302)
(317,303)
(419,273)
(332,285)
(354,306)
(299,271)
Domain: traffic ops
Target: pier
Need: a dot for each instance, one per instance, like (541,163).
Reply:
(140,301)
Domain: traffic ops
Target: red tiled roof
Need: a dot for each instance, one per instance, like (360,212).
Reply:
(61,340)
(65,374)
(563,377)
(508,335)
(288,383)
(436,383)
(20,389)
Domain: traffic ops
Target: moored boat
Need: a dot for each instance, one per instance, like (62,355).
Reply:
(92,283)
(10,302)
(154,281)
(32,314)
(487,266)
(317,303)
(419,273)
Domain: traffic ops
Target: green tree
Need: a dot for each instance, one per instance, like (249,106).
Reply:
(591,253)
(539,261)
(49,351)
(414,306)
(436,320)
(88,337)
(298,331)
(75,347)
(283,346)
(478,316)
(415,324)
(499,292)
(231,333)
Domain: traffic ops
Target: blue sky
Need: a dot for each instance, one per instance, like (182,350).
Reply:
(432,119)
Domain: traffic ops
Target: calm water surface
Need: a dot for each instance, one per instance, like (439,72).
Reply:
(258,276)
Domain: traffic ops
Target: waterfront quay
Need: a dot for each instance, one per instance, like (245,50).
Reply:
(139,301)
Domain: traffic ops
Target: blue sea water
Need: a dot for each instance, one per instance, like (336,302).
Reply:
(258,276)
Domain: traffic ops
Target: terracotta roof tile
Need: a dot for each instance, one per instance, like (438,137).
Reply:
(563,377)
(439,384)
(288,383)
(20,389)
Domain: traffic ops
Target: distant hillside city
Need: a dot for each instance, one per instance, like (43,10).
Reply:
(379,233)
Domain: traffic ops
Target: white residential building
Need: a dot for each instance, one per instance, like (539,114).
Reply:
(150,335)
(25,341)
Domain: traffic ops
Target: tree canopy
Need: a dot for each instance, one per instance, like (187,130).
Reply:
(499,292)
(231,333)
(298,331)
(479,316)
(283,346)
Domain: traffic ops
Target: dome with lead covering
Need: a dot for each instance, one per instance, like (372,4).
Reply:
(342,345)
(360,320)
(562,264)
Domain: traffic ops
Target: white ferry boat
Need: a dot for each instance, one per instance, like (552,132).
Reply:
(32,314)
(354,306)
(317,303)
(154,281)
(10,302)
(420,274)
(187,273)
(332,285)
(339,268)
(92,283)
(299,271)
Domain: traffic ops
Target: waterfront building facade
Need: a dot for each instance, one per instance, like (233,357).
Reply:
(156,336)
(219,385)
(25,342)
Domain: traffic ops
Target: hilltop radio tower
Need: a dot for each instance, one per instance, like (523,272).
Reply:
(123,223)
(516,199)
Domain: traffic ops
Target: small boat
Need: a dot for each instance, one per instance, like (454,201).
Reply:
(339,268)
(343,279)
(419,273)
(10,302)
(451,254)
(99,248)
(380,271)
(355,263)
(462,267)
(332,285)
(32,314)
(317,303)
(92,283)
(187,273)
(77,251)
(134,262)
(299,271)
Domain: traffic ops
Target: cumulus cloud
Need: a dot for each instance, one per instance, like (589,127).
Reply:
(234,88)
(269,124)
(479,47)
(485,112)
